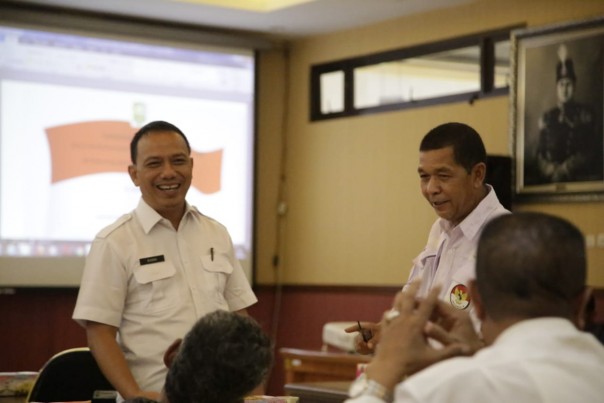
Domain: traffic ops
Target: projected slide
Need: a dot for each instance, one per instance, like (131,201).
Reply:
(68,109)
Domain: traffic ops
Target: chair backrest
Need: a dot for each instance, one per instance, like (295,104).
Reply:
(71,375)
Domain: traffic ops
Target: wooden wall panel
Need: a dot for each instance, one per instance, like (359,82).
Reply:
(36,323)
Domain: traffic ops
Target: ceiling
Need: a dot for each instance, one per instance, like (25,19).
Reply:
(285,19)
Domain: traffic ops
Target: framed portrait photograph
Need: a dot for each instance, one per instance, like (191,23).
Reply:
(557,93)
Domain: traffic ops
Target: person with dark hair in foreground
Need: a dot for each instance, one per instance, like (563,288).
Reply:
(452,170)
(222,359)
(530,296)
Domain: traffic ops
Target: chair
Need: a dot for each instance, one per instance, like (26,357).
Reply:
(71,375)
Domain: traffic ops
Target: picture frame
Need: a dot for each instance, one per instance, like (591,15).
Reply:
(557,112)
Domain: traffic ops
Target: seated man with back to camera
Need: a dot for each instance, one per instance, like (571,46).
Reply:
(222,359)
(530,296)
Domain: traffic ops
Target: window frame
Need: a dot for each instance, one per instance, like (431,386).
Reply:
(485,41)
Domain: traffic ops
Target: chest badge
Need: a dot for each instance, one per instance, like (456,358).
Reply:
(459,297)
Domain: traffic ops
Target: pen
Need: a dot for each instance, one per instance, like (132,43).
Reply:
(365,333)
(212,254)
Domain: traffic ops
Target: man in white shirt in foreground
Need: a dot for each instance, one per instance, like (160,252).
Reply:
(529,294)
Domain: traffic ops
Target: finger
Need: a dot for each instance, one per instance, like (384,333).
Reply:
(453,350)
(359,342)
(364,325)
(426,306)
(438,333)
(405,301)
(374,341)
(412,287)
(393,312)
(396,305)
(361,347)
(354,328)
(371,326)
(358,327)
(445,311)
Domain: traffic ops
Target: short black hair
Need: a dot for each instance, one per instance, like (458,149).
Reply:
(530,265)
(468,148)
(140,400)
(155,126)
(224,357)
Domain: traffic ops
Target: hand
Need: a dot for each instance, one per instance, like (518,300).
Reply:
(372,333)
(404,348)
(449,325)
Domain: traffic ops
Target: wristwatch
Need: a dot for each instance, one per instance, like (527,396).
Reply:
(368,387)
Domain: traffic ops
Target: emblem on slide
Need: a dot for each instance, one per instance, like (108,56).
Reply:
(459,297)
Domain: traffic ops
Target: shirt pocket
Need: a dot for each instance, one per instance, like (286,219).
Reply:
(424,263)
(215,272)
(423,267)
(148,273)
(425,258)
(155,287)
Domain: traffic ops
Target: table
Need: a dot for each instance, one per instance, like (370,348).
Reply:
(319,392)
(13,399)
(318,366)
(21,399)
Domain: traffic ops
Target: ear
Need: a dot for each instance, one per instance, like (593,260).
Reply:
(171,352)
(480,172)
(132,171)
(477,301)
(580,311)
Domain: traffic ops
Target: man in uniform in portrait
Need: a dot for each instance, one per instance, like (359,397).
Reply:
(569,148)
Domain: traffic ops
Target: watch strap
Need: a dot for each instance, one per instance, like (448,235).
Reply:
(378,390)
(363,386)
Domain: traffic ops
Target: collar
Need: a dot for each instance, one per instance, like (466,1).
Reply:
(148,217)
(471,225)
(535,329)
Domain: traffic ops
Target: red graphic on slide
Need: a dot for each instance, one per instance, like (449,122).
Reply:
(104,146)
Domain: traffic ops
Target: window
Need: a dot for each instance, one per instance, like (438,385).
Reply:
(332,94)
(461,69)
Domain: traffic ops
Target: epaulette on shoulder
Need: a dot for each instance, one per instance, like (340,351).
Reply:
(195,210)
(104,233)
(212,220)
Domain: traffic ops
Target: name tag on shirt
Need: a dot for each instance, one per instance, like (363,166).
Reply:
(148,273)
(151,259)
